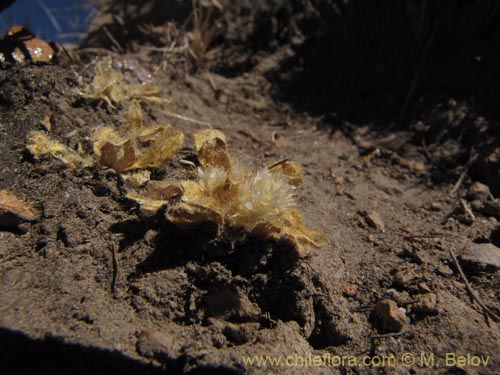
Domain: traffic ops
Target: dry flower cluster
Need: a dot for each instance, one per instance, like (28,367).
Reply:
(261,203)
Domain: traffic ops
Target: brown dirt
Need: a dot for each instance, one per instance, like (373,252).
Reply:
(95,286)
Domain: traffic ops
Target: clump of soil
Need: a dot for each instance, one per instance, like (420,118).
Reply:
(95,284)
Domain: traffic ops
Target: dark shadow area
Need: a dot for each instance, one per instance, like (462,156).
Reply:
(20,354)
(371,61)
(242,254)
(133,230)
(495,237)
(121,23)
(428,68)
(175,247)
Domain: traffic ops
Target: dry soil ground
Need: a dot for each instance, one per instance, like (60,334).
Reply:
(94,286)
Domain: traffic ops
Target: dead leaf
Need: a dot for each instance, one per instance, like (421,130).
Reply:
(102,136)
(135,117)
(13,210)
(46,123)
(39,145)
(192,191)
(136,178)
(147,204)
(290,169)
(164,147)
(203,136)
(118,156)
(169,191)
(213,153)
(187,214)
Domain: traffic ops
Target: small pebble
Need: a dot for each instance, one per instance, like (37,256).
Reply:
(478,191)
(374,220)
(350,290)
(436,206)
(426,304)
(393,318)
(405,277)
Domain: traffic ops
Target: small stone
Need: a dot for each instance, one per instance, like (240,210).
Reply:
(157,344)
(476,205)
(426,304)
(444,271)
(339,180)
(240,333)
(227,303)
(423,287)
(436,206)
(484,257)
(478,191)
(393,318)
(491,208)
(374,220)
(350,290)
(14,211)
(405,277)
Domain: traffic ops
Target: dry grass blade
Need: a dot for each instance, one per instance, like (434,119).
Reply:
(471,291)
(204,31)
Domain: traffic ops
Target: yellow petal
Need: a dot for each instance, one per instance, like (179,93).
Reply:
(290,169)
(165,146)
(169,191)
(135,117)
(207,135)
(137,178)
(39,144)
(213,153)
(102,136)
(192,191)
(186,214)
(147,204)
(119,157)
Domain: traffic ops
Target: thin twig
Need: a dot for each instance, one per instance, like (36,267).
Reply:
(474,296)
(460,180)
(274,165)
(409,236)
(50,15)
(65,51)
(117,273)
(467,210)
(185,118)
(257,139)
(113,40)
(395,334)
(427,153)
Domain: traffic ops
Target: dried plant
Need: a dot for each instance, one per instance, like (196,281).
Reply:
(260,204)
(131,147)
(109,85)
(204,31)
